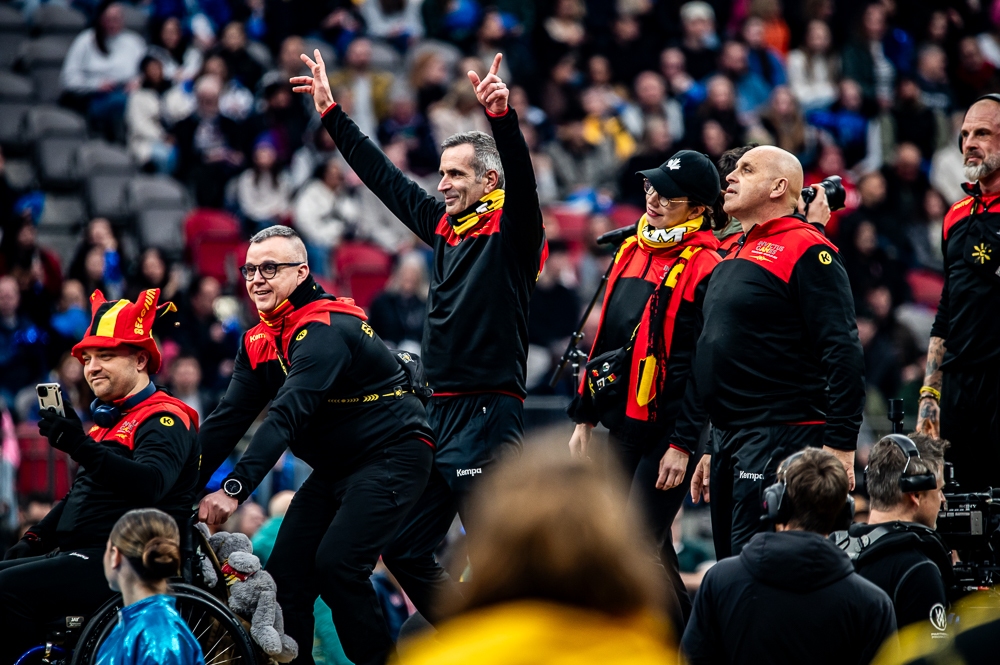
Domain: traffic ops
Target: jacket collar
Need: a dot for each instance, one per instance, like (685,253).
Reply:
(304,293)
(472,215)
(777,225)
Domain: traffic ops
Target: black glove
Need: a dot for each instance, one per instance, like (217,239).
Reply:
(29,545)
(63,432)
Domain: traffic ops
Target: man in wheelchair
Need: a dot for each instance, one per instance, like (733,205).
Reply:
(142,452)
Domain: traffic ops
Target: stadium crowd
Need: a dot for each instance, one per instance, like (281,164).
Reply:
(142,144)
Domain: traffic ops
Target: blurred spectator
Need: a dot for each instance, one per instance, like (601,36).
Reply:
(22,344)
(459,111)
(232,47)
(600,593)
(172,47)
(655,147)
(247,519)
(911,121)
(429,79)
(35,269)
(405,123)
(395,21)
(680,85)
(208,145)
(925,234)
(8,196)
(376,222)
(847,125)
(720,107)
(263,539)
(603,122)
(932,77)
(774,32)
(865,60)
(541,163)
(559,91)
(700,43)
(948,165)
(398,313)
(554,304)
(693,557)
(147,138)
(101,63)
(289,58)
(882,364)
(868,265)
(830,161)
(905,188)
(783,125)
(762,59)
(975,76)
(324,211)
(628,50)
(493,36)
(235,101)
(581,166)
(98,261)
(185,385)
(281,117)
(317,149)
(68,373)
(32,509)
(813,69)
(70,320)
(369,89)
(202,335)
(651,101)
(563,33)
(155,273)
(752,90)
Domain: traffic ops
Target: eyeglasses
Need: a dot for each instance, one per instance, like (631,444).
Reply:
(267,270)
(647,187)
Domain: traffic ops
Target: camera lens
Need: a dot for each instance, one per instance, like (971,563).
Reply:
(43,391)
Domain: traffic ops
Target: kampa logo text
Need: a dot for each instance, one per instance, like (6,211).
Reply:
(745,475)
(468,472)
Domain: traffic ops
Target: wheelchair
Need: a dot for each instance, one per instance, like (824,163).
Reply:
(224,636)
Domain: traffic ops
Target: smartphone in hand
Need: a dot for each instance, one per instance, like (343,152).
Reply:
(50,397)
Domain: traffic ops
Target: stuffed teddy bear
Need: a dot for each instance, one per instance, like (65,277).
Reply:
(251,593)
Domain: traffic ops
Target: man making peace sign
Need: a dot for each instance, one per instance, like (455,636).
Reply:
(489,247)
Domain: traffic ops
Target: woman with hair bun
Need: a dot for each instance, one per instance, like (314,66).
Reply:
(142,552)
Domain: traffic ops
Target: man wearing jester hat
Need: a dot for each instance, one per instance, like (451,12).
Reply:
(141,452)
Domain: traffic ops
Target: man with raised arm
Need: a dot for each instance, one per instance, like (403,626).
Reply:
(489,247)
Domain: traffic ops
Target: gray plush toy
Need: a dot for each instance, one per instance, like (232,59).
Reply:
(251,594)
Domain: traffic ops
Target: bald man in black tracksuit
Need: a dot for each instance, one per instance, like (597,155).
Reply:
(486,260)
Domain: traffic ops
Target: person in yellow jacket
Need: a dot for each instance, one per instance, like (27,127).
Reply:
(559,574)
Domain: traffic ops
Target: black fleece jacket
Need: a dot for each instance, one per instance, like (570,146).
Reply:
(476,334)
(789,598)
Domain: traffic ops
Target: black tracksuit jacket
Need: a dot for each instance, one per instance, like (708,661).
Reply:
(304,363)
(148,459)
(780,340)
(789,598)
(476,334)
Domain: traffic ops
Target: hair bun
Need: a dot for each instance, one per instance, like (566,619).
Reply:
(161,558)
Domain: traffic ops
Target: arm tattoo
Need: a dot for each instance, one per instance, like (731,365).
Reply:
(935,354)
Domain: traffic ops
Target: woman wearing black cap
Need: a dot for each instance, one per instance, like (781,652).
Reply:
(638,380)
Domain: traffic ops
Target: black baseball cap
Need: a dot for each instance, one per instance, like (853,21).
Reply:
(688,173)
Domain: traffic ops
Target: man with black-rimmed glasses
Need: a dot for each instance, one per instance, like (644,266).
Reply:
(344,404)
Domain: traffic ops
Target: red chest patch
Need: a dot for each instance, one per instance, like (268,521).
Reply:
(488,225)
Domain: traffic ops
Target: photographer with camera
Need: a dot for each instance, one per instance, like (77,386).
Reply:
(791,596)
(958,400)
(778,364)
(899,550)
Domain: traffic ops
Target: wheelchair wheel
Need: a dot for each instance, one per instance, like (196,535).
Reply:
(219,631)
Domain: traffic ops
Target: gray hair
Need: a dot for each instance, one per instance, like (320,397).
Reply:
(281,231)
(485,155)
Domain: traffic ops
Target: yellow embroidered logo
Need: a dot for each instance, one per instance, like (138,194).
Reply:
(254,338)
(301,336)
(962,203)
(167,421)
(981,252)
(367,329)
(825,258)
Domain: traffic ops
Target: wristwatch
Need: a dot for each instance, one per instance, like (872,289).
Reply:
(233,488)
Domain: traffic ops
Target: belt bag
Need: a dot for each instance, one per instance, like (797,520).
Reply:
(607,377)
(982,246)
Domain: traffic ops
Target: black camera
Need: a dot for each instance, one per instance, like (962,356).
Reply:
(970,525)
(835,194)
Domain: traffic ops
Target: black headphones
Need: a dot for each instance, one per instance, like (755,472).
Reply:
(920,482)
(993,97)
(106,414)
(778,505)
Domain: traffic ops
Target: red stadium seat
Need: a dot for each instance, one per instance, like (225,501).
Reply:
(362,271)
(43,468)
(623,214)
(926,287)
(570,225)
(215,243)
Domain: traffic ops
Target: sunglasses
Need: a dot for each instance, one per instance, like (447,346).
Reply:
(267,270)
